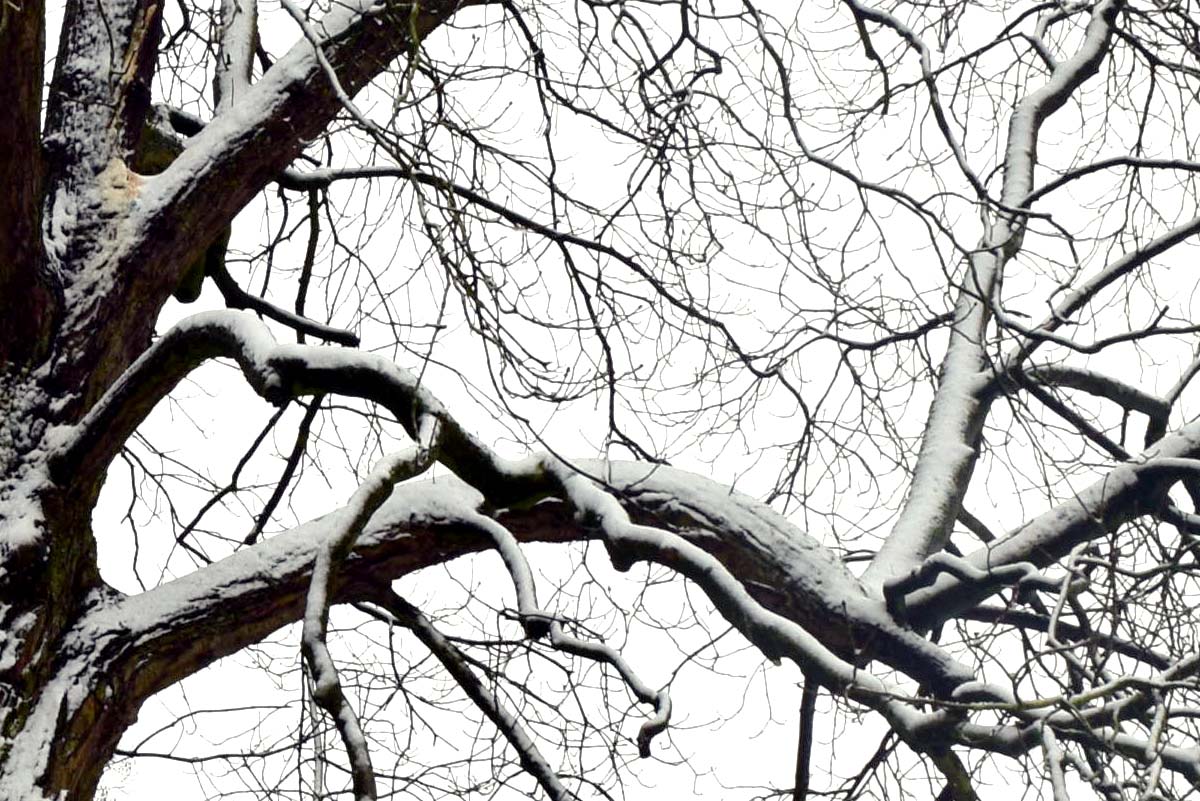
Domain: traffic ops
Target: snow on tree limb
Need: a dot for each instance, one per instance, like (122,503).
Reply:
(746,157)
(235,51)
(1100,385)
(949,446)
(1126,492)
(278,373)
(256,137)
(157,224)
(326,685)
(775,635)
(171,630)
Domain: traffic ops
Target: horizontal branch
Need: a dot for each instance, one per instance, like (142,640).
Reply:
(1022,619)
(238,298)
(1135,162)
(148,641)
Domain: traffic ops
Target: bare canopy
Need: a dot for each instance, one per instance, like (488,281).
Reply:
(918,275)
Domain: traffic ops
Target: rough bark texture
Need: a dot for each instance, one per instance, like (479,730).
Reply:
(91,250)
(89,253)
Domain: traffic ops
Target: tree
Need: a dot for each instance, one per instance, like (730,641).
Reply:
(679,229)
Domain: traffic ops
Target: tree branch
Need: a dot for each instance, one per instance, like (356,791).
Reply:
(238,298)
(804,743)
(949,446)
(455,661)
(178,212)
(958,781)
(278,373)
(1081,295)
(1124,493)
(236,41)
(336,545)
(1100,385)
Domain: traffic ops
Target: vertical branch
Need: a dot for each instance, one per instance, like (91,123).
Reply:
(1053,755)
(958,781)
(99,96)
(808,709)
(326,686)
(235,51)
(949,446)
(98,101)
(310,255)
(289,469)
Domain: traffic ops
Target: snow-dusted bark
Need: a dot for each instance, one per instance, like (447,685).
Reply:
(123,240)
(89,254)
(94,250)
(950,445)
(786,593)
(235,55)
(1126,492)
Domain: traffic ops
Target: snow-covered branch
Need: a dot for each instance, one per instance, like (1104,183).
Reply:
(278,373)
(1100,385)
(948,452)
(1126,492)
(1016,574)
(235,51)
(776,636)
(789,595)
(166,219)
(327,686)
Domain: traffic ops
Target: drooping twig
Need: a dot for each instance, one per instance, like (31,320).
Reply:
(238,298)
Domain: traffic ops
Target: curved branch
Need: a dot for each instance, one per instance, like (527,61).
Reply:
(143,643)
(1126,492)
(278,373)
(1105,164)
(238,298)
(327,686)
(780,566)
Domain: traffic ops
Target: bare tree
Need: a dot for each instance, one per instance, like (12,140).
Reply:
(662,233)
